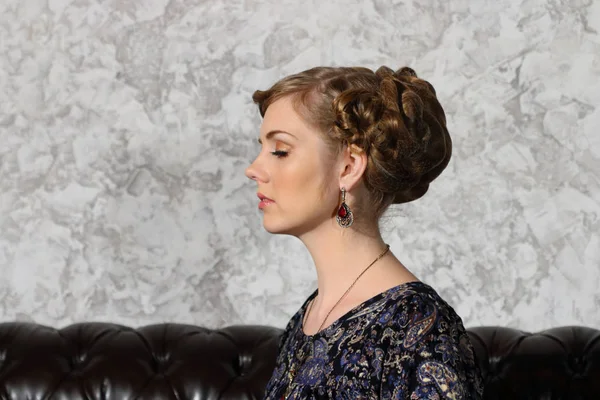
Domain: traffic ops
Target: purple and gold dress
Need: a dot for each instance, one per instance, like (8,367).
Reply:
(404,343)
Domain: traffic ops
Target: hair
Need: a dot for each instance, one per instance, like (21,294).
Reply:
(394,117)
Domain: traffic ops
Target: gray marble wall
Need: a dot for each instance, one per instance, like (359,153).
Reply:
(126,125)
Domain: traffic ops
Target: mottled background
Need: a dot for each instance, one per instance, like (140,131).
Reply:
(126,125)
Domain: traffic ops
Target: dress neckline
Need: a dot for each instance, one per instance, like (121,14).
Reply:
(354,310)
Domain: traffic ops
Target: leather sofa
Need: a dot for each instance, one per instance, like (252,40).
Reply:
(175,361)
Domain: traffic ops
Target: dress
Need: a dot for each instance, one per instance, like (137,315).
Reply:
(404,343)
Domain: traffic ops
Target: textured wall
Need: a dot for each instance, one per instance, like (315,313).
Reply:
(126,125)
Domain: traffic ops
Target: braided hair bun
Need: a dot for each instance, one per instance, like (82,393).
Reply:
(402,127)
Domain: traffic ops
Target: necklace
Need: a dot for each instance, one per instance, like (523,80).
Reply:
(292,368)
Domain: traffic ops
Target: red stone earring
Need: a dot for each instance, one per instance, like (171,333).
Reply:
(344,216)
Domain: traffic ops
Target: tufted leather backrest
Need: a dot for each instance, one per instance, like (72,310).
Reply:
(175,361)
(559,363)
(107,361)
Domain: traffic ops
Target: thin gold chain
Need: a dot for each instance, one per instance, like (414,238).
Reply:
(387,247)
(292,368)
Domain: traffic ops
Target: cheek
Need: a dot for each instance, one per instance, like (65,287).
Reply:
(300,180)
(307,178)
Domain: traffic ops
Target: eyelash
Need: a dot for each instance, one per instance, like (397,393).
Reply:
(279,153)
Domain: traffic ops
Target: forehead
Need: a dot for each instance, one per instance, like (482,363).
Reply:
(282,115)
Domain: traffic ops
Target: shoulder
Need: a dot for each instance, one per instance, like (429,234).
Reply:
(419,317)
(428,346)
(419,305)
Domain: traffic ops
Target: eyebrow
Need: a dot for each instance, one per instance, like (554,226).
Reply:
(274,132)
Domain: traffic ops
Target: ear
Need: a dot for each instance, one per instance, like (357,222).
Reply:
(353,165)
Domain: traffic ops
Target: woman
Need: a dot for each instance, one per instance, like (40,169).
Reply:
(339,146)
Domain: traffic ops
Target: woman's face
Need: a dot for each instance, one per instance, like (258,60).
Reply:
(296,170)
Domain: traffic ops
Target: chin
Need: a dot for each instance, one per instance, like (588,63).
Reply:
(278,227)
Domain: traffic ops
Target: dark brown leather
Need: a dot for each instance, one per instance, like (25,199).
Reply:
(174,361)
(559,363)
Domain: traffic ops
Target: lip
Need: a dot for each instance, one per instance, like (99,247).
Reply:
(264,201)
(263,197)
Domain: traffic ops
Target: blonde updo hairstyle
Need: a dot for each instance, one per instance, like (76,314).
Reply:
(394,117)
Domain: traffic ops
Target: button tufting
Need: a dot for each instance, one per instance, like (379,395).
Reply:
(93,361)
(244,364)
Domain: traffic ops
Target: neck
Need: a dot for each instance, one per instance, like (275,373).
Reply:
(341,256)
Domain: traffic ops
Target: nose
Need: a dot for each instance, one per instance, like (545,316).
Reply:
(253,171)
(250,172)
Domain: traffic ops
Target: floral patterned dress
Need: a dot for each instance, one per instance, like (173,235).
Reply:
(404,343)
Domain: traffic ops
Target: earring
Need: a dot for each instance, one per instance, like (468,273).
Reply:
(344,216)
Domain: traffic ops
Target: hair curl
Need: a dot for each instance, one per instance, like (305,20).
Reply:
(394,116)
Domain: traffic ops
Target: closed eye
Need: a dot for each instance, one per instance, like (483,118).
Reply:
(279,153)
